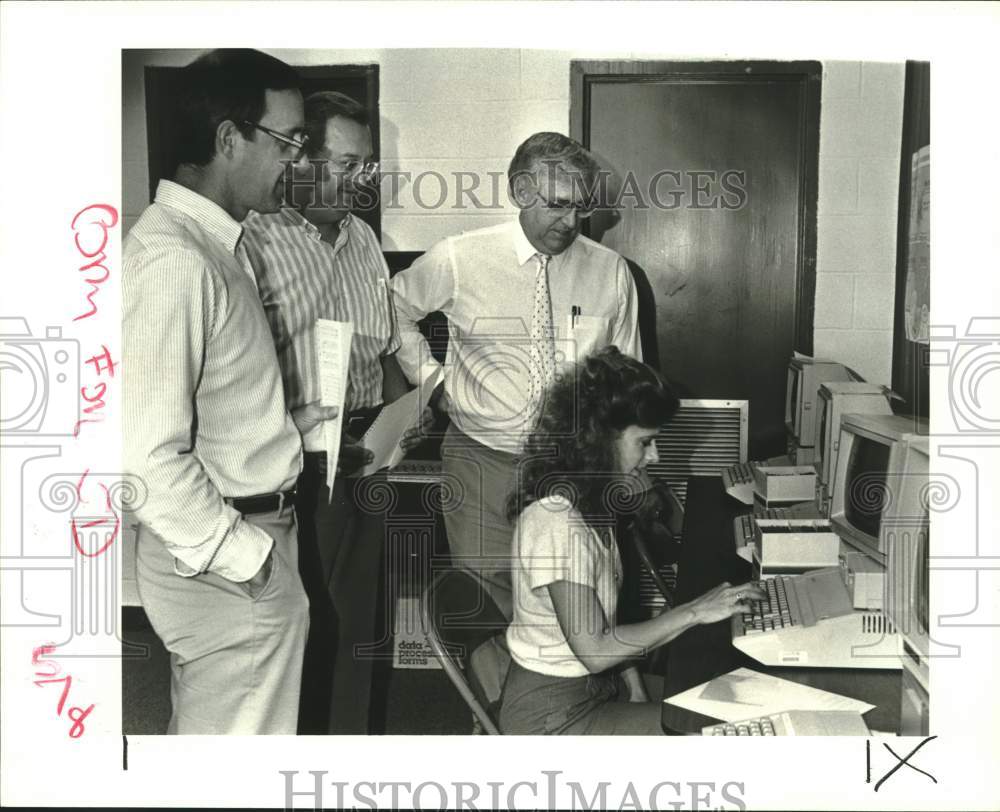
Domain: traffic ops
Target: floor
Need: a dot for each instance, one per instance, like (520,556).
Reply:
(411,701)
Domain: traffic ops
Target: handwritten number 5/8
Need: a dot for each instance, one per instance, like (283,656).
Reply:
(78,715)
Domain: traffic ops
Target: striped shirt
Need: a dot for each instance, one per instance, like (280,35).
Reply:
(484,282)
(301,278)
(204,415)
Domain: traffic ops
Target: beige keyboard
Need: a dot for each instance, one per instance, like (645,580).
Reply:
(794,723)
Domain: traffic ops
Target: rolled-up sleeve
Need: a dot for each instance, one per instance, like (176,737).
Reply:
(426,286)
(170,304)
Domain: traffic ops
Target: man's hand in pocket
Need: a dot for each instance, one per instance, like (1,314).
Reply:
(258,580)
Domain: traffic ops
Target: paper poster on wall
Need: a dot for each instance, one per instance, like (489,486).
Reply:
(918,271)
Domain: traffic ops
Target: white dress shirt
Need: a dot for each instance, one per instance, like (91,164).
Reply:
(204,410)
(484,281)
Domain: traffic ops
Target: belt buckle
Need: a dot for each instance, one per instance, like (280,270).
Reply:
(281,498)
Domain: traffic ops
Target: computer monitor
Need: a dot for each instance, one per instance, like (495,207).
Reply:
(837,398)
(905,535)
(804,378)
(870,453)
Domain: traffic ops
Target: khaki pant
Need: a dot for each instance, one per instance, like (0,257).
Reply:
(235,662)
(479,535)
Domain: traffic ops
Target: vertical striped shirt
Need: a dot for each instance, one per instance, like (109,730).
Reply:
(204,414)
(301,278)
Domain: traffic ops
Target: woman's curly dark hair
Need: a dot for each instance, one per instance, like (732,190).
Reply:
(572,452)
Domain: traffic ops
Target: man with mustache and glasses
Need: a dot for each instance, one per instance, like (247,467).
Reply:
(314,260)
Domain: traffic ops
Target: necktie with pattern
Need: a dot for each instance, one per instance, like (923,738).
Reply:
(543,360)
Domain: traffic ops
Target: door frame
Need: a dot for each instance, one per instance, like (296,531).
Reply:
(808,75)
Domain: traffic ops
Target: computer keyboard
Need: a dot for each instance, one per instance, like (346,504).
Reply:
(794,723)
(416,471)
(738,481)
(775,612)
(810,620)
(803,510)
(745,524)
(743,527)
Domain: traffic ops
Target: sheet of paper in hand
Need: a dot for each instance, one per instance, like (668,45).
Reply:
(333,355)
(397,418)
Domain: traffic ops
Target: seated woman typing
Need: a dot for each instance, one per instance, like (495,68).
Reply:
(586,459)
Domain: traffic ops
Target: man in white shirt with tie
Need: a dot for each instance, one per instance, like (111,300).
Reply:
(522,300)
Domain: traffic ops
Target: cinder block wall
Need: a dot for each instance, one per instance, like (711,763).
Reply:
(465,110)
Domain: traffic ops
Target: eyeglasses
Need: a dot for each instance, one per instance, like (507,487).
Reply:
(360,171)
(298,145)
(582,212)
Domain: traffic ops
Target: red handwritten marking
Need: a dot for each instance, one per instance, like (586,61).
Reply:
(76,714)
(100,522)
(101,207)
(107,366)
(62,699)
(47,648)
(97,254)
(77,731)
(102,362)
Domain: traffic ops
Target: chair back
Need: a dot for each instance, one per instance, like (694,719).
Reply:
(461,622)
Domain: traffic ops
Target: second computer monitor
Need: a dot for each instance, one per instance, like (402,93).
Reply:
(836,399)
(870,454)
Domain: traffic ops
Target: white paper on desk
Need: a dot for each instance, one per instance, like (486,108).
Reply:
(395,419)
(333,356)
(744,693)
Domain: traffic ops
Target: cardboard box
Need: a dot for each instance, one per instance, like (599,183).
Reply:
(782,484)
(792,546)
(410,648)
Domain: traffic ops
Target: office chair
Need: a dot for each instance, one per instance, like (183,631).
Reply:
(461,622)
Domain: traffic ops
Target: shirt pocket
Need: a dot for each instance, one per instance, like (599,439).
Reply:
(585,335)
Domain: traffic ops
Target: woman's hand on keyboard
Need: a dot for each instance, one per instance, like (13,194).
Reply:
(724,601)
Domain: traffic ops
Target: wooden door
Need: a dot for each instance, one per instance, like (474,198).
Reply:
(715,164)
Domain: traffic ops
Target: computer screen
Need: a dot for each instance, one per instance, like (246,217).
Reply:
(865,484)
(866,494)
(825,407)
(922,581)
(792,399)
(835,400)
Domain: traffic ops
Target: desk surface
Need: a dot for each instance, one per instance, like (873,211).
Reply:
(707,558)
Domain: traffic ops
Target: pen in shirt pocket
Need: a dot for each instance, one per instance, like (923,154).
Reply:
(574,313)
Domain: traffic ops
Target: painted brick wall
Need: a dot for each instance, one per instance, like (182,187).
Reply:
(862,120)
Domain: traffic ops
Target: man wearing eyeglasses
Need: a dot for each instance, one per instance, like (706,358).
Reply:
(316,260)
(205,424)
(523,300)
